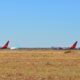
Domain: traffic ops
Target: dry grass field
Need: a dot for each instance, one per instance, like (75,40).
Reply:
(39,65)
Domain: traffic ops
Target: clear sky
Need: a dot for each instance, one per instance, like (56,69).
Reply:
(39,23)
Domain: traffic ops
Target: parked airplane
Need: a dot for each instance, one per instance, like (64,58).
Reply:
(67,48)
(5,46)
(74,45)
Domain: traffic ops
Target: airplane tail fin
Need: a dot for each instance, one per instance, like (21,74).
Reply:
(6,45)
(74,45)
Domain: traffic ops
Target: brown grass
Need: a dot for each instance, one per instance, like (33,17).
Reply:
(39,65)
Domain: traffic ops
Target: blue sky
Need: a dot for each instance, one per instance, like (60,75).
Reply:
(39,23)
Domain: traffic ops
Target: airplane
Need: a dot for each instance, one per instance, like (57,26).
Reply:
(74,45)
(5,46)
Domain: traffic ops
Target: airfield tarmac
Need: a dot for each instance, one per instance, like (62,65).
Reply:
(39,65)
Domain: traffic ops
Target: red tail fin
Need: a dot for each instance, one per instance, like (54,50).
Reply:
(74,45)
(6,45)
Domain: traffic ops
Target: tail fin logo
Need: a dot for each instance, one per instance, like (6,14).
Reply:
(74,45)
(6,45)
